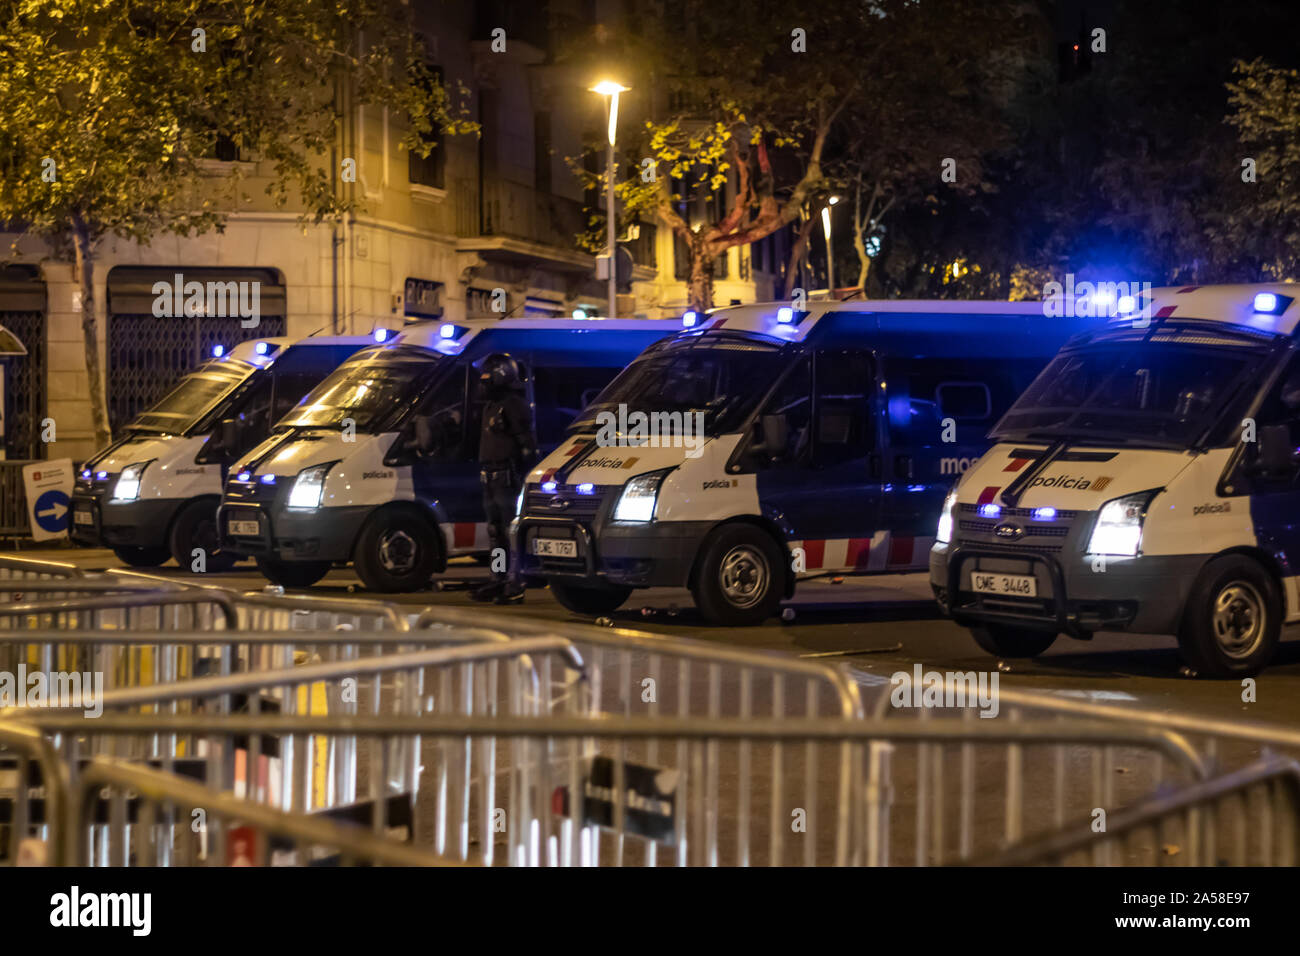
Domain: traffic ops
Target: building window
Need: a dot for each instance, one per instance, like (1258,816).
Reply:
(430,170)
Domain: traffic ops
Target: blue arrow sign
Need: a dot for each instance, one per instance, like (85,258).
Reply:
(51,511)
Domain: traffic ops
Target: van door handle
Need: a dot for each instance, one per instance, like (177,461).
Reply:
(873,464)
(903,466)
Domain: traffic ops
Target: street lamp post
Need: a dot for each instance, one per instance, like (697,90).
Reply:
(610,90)
(830,251)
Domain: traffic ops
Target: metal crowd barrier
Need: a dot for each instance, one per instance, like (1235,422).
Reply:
(1250,817)
(127,815)
(27,756)
(1068,781)
(14,568)
(574,792)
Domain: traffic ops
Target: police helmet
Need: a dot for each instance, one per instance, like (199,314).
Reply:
(499,370)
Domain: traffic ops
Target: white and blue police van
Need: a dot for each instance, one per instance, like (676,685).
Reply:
(1148,482)
(153,493)
(378,465)
(764,445)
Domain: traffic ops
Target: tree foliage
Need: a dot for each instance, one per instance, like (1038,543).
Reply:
(111,106)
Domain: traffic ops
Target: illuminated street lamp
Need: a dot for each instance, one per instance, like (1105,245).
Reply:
(830,252)
(610,90)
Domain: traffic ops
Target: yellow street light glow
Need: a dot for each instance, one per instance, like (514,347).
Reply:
(611,89)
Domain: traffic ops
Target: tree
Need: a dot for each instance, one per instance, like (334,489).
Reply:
(751,112)
(111,105)
(1265,221)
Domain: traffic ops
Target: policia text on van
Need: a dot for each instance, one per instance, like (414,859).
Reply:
(379,464)
(765,445)
(153,493)
(1146,482)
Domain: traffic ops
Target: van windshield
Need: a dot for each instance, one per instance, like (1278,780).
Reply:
(725,381)
(201,390)
(373,391)
(1146,393)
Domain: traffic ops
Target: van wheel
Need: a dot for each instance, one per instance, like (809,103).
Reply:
(142,557)
(581,599)
(740,577)
(293,574)
(1001,640)
(1233,619)
(397,551)
(196,527)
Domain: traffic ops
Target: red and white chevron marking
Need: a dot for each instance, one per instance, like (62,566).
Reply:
(883,551)
(463,537)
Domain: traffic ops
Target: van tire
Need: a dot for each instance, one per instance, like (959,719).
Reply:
(1002,640)
(195,526)
(293,574)
(1231,593)
(589,601)
(740,578)
(397,551)
(137,557)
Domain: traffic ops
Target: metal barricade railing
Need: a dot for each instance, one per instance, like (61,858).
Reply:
(14,568)
(498,678)
(30,770)
(636,673)
(1065,782)
(159,819)
(575,790)
(1249,817)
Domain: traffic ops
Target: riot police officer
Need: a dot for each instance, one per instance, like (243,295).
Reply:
(506,449)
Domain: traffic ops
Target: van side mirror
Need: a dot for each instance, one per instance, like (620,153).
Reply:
(228,433)
(1276,453)
(426,439)
(774,435)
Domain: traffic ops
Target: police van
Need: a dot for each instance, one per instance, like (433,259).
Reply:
(153,493)
(1148,481)
(377,466)
(762,445)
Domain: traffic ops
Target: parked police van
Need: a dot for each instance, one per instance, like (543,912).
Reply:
(1147,481)
(153,493)
(762,445)
(377,465)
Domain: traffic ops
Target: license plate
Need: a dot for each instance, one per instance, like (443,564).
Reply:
(1012,585)
(83,517)
(555,548)
(243,527)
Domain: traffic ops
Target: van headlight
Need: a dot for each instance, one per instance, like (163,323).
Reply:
(639,497)
(944,534)
(519,502)
(1119,525)
(128,482)
(308,487)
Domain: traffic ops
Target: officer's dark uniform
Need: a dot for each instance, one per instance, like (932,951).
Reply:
(506,450)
